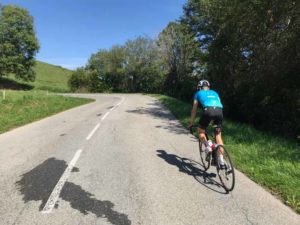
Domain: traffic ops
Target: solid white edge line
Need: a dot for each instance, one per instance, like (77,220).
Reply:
(92,132)
(58,187)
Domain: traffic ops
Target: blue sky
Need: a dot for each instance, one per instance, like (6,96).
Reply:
(69,31)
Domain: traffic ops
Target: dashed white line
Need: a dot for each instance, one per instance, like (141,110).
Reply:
(121,101)
(58,187)
(92,132)
(105,115)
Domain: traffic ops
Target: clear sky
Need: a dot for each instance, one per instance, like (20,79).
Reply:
(69,31)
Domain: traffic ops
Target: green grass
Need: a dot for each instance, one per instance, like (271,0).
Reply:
(269,160)
(22,107)
(48,77)
(52,78)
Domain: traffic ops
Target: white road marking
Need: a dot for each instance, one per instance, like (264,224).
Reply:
(105,115)
(57,189)
(117,104)
(60,184)
(92,132)
(121,101)
(103,118)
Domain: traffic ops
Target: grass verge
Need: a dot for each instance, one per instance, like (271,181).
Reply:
(22,107)
(269,160)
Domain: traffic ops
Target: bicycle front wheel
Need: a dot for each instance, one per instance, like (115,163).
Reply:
(205,158)
(226,171)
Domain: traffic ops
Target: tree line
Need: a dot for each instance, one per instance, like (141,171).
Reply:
(248,49)
(142,65)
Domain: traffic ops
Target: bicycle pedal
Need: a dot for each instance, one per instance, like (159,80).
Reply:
(228,171)
(223,167)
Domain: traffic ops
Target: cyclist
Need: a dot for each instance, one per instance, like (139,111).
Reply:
(212,111)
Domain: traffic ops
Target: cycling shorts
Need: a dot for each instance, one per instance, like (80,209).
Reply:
(214,114)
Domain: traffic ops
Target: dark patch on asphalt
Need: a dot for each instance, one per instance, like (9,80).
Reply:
(99,114)
(63,135)
(193,168)
(38,184)
(110,107)
(85,202)
(75,169)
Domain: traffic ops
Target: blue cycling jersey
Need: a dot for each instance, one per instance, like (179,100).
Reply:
(208,98)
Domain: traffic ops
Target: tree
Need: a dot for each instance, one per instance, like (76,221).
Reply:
(142,64)
(79,81)
(178,51)
(109,67)
(251,49)
(18,43)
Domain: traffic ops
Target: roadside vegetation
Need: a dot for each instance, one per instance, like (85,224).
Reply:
(47,77)
(250,57)
(22,77)
(22,107)
(269,160)
(51,78)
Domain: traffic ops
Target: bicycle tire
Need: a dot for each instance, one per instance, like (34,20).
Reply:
(205,158)
(226,175)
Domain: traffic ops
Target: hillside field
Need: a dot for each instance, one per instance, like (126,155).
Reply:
(48,77)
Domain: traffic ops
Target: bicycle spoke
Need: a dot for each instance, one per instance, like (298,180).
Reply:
(205,158)
(226,172)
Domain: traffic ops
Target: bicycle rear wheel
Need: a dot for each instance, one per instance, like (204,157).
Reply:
(226,172)
(205,158)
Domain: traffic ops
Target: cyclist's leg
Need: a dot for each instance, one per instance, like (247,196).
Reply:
(218,120)
(217,123)
(203,124)
(201,133)
(218,133)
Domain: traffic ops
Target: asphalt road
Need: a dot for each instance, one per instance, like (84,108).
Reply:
(123,159)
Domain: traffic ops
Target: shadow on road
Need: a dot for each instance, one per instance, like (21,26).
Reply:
(193,168)
(38,184)
(157,110)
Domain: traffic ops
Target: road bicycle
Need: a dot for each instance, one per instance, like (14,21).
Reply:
(208,158)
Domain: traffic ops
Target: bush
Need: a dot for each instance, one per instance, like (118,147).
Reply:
(79,81)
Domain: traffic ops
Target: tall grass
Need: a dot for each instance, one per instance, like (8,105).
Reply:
(22,107)
(269,160)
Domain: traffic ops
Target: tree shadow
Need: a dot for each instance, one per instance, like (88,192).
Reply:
(158,110)
(38,184)
(6,83)
(193,168)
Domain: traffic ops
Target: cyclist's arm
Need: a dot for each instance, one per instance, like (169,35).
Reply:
(194,112)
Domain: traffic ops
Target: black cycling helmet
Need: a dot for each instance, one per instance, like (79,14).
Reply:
(203,83)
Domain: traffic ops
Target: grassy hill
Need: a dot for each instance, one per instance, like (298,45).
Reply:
(48,77)
(25,102)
